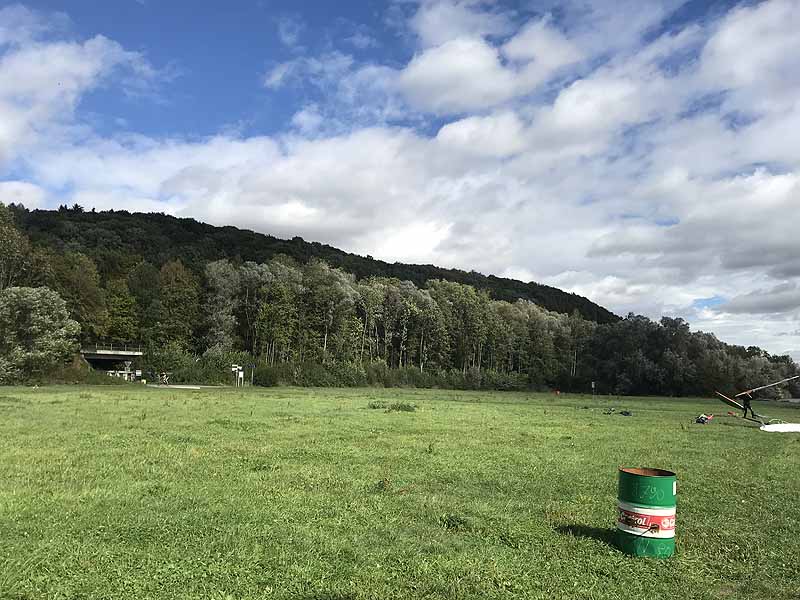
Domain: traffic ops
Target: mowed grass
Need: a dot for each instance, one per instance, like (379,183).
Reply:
(328,494)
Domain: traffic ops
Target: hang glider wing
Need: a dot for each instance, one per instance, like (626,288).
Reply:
(730,401)
(763,387)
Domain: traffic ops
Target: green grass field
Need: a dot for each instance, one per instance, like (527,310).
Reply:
(129,492)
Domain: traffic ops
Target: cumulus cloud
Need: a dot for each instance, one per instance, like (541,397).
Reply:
(779,299)
(22,192)
(539,41)
(753,54)
(19,24)
(350,93)
(439,21)
(307,120)
(460,75)
(42,83)
(467,72)
(604,27)
(498,135)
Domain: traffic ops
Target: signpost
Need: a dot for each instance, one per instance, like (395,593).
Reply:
(238,373)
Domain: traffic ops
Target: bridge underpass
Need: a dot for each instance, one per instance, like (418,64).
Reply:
(107,357)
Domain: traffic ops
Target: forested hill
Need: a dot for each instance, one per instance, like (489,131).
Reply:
(119,239)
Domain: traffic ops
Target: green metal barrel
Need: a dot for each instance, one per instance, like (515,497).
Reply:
(646,503)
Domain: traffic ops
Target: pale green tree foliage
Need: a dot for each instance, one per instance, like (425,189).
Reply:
(254,279)
(36,332)
(222,279)
(143,283)
(123,322)
(372,295)
(464,309)
(369,302)
(77,281)
(278,319)
(14,251)
(431,333)
(328,301)
(179,303)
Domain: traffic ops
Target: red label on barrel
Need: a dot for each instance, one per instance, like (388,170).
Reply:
(646,522)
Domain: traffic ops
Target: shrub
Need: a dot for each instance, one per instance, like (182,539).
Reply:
(170,358)
(9,373)
(314,375)
(401,407)
(266,376)
(212,368)
(494,380)
(377,373)
(349,374)
(36,333)
(413,377)
(77,372)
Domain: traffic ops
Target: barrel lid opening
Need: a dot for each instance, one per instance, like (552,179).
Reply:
(646,472)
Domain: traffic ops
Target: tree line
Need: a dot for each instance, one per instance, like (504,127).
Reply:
(310,323)
(117,240)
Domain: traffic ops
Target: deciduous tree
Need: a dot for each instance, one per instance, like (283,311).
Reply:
(14,251)
(179,303)
(36,332)
(78,282)
(123,323)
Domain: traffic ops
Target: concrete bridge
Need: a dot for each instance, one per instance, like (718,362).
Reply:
(111,353)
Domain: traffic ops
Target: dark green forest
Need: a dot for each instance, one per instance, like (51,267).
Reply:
(117,240)
(200,298)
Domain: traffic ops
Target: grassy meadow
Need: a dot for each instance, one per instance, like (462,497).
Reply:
(133,492)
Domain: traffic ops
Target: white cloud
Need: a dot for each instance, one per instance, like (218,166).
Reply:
(498,135)
(466,72)
(41,83)
(361,40)
(439,21)
(604,27)
(22,192)
(290,29)
(540,42)
(754,53)
(460,75)
(410,243)
(350,94)
(321,71)
(19,24)
(277,75)
(596,104)
(308,119)
(780,299)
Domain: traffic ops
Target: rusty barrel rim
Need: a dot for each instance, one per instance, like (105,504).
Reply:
(647,487)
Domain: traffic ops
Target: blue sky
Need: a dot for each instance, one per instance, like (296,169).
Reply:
(214,54)
(638,153)
(217,53)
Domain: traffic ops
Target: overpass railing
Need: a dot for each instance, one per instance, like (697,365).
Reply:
(112,348)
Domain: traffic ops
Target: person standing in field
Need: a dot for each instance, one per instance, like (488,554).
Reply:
(746,405)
